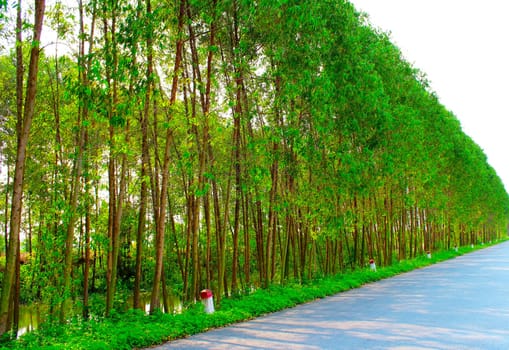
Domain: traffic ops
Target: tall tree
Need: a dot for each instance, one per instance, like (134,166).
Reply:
(162,199)
(85,62)
(25,115)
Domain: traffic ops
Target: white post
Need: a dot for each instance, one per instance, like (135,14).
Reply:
(372,265)
(207,299)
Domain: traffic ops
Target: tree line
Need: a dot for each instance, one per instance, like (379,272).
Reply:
(174,145)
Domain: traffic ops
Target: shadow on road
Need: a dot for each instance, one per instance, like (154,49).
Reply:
(458,304)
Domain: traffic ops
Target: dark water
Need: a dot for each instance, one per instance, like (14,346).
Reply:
(30,317)
(33,315)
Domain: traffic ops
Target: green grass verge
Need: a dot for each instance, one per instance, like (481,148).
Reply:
(134,329)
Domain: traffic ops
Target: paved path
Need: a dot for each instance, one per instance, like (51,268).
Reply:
(458,304)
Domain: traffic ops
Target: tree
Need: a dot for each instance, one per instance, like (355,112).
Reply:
(160,207)
(25,113)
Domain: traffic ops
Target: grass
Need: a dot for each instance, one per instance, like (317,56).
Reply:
(134,329)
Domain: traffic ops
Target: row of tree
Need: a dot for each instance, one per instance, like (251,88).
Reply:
(178,145)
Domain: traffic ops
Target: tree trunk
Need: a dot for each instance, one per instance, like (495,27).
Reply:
(116,190)
(6,209)
(25,118)
(202,141)
(161,205)
(144,165)
(76,184)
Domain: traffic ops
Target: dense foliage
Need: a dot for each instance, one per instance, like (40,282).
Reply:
(178,145)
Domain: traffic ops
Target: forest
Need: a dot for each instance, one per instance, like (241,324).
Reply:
(160,147)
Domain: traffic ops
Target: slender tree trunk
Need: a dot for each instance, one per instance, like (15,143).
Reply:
(222,279)
(220,239)
(207,147)
(116,190)
(73,205)
(236,215)
(247,248)
(113,254)
(25,118)
(208,253)
(144,163)
(86,273)
(6,210)
(356,231)
(159,242)
(402,233)
(142,212)
(85,68)
(260,256)
(202,138)
(189,209)
(17,293)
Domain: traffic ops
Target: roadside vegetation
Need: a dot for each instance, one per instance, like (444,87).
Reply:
(163,147)
(134,329)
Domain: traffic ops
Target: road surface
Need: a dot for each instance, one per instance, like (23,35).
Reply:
(458,304)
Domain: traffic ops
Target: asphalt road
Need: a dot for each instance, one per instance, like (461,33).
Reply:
(458,304)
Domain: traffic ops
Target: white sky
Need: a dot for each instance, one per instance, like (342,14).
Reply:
(463,48)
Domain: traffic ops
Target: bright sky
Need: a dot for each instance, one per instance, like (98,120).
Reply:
(463,47)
